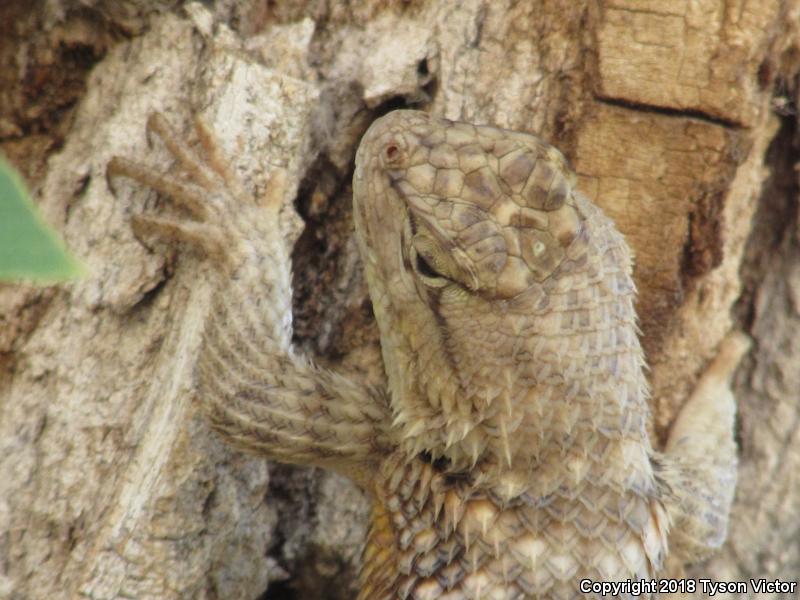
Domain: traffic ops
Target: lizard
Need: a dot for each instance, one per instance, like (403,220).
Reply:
(508,455)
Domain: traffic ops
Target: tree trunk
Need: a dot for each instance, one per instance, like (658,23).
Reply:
(679,118)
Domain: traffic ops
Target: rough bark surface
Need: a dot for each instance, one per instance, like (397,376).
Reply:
(680,119)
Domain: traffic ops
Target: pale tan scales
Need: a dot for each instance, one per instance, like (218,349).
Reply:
(509,456)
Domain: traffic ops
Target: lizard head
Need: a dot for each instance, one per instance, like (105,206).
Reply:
(485,208)
(468,233)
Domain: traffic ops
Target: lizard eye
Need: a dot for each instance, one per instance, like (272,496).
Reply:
(426,269)
(432,266)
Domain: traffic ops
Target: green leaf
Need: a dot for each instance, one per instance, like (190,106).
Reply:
(29,249)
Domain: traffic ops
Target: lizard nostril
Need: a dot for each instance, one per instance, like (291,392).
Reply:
(391,152)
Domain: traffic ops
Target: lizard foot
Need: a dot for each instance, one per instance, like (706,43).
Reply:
(225,221)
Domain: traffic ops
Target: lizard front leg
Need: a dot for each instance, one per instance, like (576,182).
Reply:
(256,390)
(699,463)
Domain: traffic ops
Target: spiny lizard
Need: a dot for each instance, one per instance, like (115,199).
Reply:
(509,456)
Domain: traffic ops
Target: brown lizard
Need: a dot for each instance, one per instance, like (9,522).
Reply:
(509,456)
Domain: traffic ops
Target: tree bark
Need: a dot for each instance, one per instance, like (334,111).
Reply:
(679,118)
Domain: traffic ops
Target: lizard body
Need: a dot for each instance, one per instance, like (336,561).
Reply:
(509,456)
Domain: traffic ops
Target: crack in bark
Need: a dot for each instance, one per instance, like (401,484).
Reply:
(670,112)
